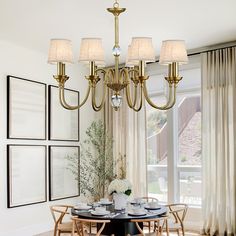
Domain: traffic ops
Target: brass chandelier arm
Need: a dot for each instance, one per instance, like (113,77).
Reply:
(65,104)
(172,103)
(133,74)
(110,75)
(171,100)
(141,100)
(94,105)
(126,74)
(174,99)
(130,102)
(170,95)
(104,72)
(133,71)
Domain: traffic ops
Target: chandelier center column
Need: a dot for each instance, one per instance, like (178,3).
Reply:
(116,11)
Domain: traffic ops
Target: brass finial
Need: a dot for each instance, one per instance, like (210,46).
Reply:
(116,10)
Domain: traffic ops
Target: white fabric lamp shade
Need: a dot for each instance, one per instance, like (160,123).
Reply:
(142,50)
(130,63)
(60,51)
(91,50)
(173,51)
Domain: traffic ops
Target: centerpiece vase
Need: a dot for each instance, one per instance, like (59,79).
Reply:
(120,200)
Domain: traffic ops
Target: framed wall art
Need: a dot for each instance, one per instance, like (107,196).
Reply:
(26,109)
(63,178)
(63,123)
(26,175)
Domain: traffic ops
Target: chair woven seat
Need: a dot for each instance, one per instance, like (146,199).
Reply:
(66,226)
(173,225)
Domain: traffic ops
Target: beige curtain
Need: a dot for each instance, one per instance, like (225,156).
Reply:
(129,133)
(218,150)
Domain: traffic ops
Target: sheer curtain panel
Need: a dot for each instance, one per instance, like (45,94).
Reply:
(218,141)
(128,129)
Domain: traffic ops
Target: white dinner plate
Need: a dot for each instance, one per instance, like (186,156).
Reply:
(105,203)
(95,213)
(82,207)
(143,213)
(136,203)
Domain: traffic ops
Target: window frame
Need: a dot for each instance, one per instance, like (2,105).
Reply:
(173,168)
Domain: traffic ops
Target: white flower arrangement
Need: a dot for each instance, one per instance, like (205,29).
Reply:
(120,186)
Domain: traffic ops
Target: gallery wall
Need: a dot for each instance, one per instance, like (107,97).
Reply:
(26,63)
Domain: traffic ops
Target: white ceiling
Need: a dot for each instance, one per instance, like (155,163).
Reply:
(31,23)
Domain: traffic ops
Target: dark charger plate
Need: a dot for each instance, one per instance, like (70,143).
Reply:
(152,208)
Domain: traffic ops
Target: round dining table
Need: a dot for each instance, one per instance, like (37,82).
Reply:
(120,224)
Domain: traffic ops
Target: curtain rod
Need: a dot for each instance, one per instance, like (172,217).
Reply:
(197,51)
(211,48)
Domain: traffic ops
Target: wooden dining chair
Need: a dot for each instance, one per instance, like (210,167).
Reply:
(83,226)
(177,214)
(58,213)
(159,224)
(149,199)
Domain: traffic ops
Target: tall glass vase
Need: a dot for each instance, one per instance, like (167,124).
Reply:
(120,200)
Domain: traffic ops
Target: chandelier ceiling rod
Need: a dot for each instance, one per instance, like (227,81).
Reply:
(129,81)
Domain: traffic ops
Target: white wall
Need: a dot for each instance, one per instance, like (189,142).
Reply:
(25,63)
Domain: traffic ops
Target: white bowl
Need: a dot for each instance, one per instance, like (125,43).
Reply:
(153,204)
(100,209)
(138,210)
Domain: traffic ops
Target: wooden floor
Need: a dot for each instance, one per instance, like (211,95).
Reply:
(171,234)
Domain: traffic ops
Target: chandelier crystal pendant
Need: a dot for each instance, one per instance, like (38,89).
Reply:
(128,81)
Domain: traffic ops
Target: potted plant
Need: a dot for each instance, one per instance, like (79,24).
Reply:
(95,170)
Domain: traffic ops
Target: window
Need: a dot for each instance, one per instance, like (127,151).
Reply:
(174,139)
(189,149)
(157,152)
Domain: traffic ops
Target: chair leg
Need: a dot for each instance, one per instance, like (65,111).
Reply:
(167,228)
(183,231)
(178,232)
(73,228)
(156,226)
(160,230)
(55,232)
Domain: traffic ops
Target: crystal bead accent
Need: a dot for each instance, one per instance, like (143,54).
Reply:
(116,101)
(116,51)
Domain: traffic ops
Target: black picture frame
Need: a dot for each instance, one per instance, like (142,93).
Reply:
(26,110)
(64,114)
(19,179)
(62,172)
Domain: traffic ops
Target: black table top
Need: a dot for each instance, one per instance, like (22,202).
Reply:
(119,215)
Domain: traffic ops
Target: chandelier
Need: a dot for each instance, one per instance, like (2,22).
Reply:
(129,80)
